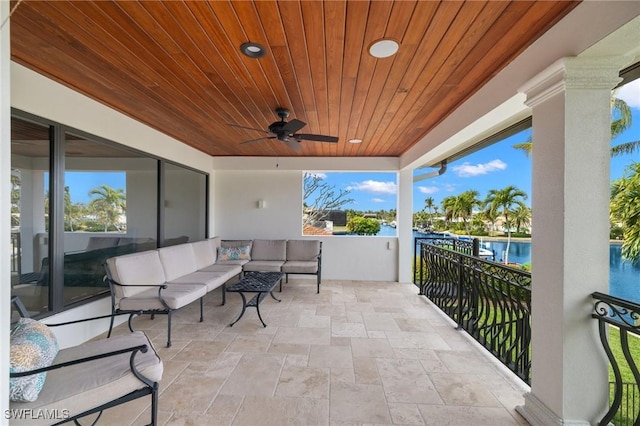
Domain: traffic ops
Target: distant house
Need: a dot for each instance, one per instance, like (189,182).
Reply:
(338,217)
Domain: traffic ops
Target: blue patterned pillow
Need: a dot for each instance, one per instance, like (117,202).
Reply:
(33,345)
(234,253)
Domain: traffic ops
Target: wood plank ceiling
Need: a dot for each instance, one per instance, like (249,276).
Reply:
(176,65)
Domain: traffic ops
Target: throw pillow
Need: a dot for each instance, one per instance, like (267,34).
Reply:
(33,345)
(234,253)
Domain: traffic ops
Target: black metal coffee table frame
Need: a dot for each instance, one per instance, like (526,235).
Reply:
(255,282)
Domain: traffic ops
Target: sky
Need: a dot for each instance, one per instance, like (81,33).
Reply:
(80,183)
(494,167)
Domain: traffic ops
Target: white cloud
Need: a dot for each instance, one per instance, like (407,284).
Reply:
(378,200)
(470,170)
(374,186)
(428,189)
(630,93)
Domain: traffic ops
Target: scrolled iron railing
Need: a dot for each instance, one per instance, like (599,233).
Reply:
(491,301)
(624,408)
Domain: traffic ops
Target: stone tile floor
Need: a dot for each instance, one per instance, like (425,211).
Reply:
(357,353)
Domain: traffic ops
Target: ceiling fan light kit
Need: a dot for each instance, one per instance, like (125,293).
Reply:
(355,140)
(285,131)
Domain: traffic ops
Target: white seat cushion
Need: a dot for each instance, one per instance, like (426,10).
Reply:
(210,279)
(175,296)
(300,267)
(264,265)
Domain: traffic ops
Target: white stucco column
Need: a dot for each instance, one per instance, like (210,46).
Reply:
(405,226)
(5,197)
(571,109)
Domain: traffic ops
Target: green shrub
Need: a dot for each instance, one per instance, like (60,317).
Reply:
(363,226)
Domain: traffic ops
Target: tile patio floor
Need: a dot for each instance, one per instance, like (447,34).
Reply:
(357,353)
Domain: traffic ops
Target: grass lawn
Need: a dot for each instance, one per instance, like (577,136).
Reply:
(622,417)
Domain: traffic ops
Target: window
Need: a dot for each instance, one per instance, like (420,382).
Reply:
(349,203)
(110,205)
(29,214)
(78,200)
(184,205)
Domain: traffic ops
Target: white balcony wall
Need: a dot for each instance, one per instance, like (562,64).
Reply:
(238,217)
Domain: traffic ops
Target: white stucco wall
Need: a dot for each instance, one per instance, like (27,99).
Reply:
(238,217)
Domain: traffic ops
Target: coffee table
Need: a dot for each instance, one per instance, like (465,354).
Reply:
(255,282)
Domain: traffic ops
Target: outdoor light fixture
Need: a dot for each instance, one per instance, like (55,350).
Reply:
(355,140)
(253,50)
(383,48)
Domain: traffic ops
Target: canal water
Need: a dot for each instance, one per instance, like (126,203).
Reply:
(624,277)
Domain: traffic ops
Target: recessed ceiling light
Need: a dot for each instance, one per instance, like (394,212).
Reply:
(355,140)
(383,48)
(253,50)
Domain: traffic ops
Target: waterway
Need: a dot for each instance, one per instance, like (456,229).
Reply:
(624,277)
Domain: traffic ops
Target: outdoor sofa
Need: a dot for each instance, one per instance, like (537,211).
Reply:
(164,280)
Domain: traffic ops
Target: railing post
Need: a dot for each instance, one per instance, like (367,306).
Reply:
(476,247)
(417,252)
(421,265)
(460,298)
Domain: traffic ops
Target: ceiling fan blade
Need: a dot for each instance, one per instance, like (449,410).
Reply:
(246,128)
(318,138)
(259,139)
(293,144)
(293,126)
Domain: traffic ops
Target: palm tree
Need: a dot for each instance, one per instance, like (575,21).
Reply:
(464,205)
(109,204)
(448,208)
(429,204)
(503,201)
(625,209)
(461,207)
(619,109)
(521,215)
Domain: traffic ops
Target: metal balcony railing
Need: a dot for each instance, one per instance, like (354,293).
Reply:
(621,318)
(492,302)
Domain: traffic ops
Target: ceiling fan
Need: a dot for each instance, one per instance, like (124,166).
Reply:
(286,131)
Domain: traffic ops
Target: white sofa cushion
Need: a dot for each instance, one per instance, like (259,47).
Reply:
(300,267)
(177,261)
(136,268)
(210,279)
(263,265)
(304,250)
(175,296)
(269,250)
(204,253)
(229,268)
